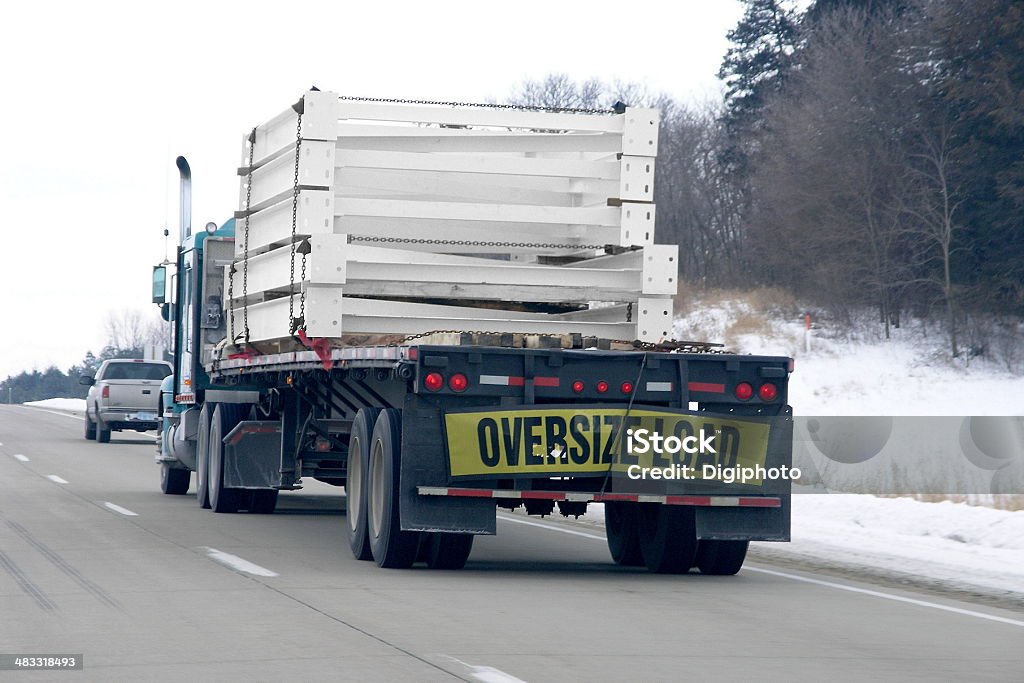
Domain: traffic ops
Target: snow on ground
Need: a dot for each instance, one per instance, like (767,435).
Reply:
(74,404)
(951,543)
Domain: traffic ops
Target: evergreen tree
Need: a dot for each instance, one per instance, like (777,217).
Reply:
(754,69)
(981,57)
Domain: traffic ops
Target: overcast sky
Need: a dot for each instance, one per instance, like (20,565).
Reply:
(100,97)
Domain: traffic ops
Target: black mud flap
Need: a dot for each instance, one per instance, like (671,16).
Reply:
(424,463)
(252,455)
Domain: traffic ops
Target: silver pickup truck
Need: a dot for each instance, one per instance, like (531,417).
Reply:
(124,394)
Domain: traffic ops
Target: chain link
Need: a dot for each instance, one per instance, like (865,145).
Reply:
(473,243)
(663,346)
(296,324)
(486,105)
(245,256)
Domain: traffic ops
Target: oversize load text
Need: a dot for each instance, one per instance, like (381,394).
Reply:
(565,441)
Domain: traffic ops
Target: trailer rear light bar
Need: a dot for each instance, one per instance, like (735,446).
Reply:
(575,496)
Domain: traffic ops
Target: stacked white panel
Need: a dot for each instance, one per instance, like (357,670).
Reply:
(397,202)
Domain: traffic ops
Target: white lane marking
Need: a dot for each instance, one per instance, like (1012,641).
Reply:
(19,456)
(54,412)
(236,562)
(549,526)
(55,479)
(819,582)
(888,596)
(117,508)
(487,674)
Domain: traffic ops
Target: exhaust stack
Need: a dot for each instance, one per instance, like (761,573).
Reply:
(185,209)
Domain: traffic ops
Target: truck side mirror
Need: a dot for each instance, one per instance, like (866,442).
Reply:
(159,284)
(87,380)
(166,312)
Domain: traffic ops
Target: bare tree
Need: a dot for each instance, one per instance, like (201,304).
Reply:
(559,91)
(831,182)
(129,331)
(936,206)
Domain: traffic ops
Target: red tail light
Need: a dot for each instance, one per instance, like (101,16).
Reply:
(434,381)
(578,386)
(768,392)
(458,382)
(627,387)
(106,391)
(744,391)
(602,387)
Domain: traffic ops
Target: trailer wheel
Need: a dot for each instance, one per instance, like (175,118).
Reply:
(174,481)
(263,501)
(448,551)
(622,528)
(203,457)
(90,427)
(357,467)
(668,538)
(222,498)
(102,431)
(721,558)
(391,547)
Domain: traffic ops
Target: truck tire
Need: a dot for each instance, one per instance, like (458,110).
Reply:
(392,548)
(721,558)
(448,551)
(263,501)
(203,457)
(222,498)
(174,481)
(90,427)
(621,523)
(102,431)
(668,538)
(357,466)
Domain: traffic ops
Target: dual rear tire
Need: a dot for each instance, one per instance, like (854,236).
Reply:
(664,538)
(215,422)
(372,501)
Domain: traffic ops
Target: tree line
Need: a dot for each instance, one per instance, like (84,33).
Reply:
(866,153)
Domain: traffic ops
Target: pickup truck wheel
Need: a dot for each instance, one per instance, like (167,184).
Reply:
(623,532)
(174,481)
(448,551)
(263,501)
(102,431)
(90,427)
(357,466)
(391,547)
(668,538)
(222,498)
(721,558)
(203,457)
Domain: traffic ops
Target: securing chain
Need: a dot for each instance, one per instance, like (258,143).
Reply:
(486,105)
(296,324)
(245,256)
(667,346)
(421,335)
(473,243)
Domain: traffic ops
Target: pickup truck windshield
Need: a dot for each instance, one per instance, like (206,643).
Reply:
(136,371)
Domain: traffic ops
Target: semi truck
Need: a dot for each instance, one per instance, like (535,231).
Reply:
(453,309)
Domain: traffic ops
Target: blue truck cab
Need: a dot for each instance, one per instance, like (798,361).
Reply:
(190,293)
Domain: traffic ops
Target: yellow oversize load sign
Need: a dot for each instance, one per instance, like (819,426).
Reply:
(566,441)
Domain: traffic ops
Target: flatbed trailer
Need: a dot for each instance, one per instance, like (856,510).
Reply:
(429,429)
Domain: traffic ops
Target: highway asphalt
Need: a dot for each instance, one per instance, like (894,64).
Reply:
(95,561)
